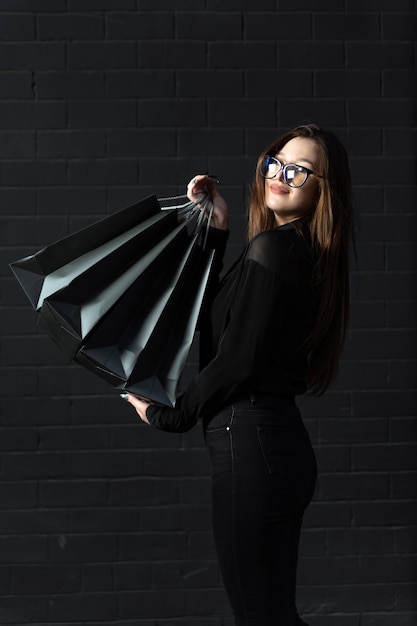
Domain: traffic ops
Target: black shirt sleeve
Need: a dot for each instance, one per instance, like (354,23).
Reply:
(257,312)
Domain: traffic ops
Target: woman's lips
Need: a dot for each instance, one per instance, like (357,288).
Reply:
(279,189)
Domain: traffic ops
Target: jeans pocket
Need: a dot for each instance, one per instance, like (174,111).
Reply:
(277,448)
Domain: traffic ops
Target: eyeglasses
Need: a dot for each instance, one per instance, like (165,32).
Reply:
(292,174)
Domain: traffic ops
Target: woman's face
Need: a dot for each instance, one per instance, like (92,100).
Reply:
(291,203)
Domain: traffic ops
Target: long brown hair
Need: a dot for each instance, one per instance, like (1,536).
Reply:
(331,231)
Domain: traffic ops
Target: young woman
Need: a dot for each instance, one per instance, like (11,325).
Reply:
(272,328)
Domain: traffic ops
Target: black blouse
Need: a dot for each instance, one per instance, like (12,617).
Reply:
(254,327)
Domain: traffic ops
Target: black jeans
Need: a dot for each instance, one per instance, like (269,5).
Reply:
(263,475)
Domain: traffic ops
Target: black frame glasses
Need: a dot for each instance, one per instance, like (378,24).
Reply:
(289,171)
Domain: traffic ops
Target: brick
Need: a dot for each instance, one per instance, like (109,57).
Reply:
(385,619)
(104,171)
(141,83)
(32,56)
(331,514)
(346,26)
(399,141)
(176,170)
(172,113)
(16,379)
(101,5)
(367,375)
(37,522)
(311,54)
(359,486)
(382,55)
(403,485)
(145,546)
(380,457)
(385,568)
(371,257)
(28,579)
(132,576)
(230,5)
(305,5)
(70,27)
(140,26)
(63,144)
(12,611)
(17,144)
(208,26)
(101,55)
(329,570)
(77,438)
(217,83)
(206,142)
(401,314)
(95,520)
(18,439)
(30,115)
(367,315)
(178,518)
(402,374)
(27,6)
(17,27)
(35,465)
(353,430)
(73,200)
(23,549)
(71,85)
(273,82)
(398,83)
(97,577)
(139,437)
(384,5)
(185,462)
(347,84)
(22,495)
(372,171)
(37,351)
(43,231)
(166,5)
(171,54)
(85,114)
(360,541)
(399,26)
(15,85)
(143,492)
(378,112)
(174,604)
(87,606)
(280,26)
(403,429)
(73,493)
(142,143)
(111,464)
(35,411)
(95,548)
(241,54)
(34,172)
(380,403)
(248,113)
(192,575)
(297,111)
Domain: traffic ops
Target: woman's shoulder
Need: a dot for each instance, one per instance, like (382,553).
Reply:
(279,246)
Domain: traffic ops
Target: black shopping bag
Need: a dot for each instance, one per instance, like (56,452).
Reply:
(122,296)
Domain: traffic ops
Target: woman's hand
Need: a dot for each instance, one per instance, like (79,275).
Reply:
(202,184)
(139,404)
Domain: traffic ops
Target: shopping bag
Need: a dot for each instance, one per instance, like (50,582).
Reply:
(122,296)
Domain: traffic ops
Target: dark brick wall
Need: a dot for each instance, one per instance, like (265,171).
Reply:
(102,520)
